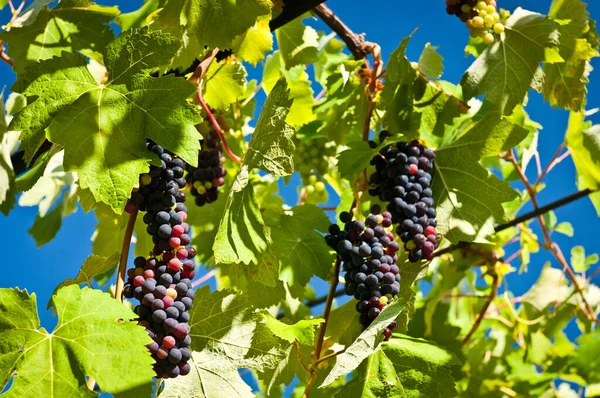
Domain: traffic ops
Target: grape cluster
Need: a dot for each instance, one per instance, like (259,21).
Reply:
(162,283)
(367,251)
(480,16)
(313,156)
(402,178)
(206,179)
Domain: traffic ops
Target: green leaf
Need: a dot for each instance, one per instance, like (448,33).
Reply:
(565,228)
(72,26)
(303,331)
(298,43)
(3,3)
(271,147)
(565,82)
(507,68)
(253,45)
(92,267)
(583,140)
(209,378)
(242,235)
(45,228)
(578,259)
(354,160)
(364,345)
(301,110)
(431,62)
(226,325)
(224,82)
(139,18)
(108,148)
(343,326)
(375,378)
(94,337)
(469,199)
(423,368)
(587,357)
(302,250)
(551,287)
(9,141)
(214,23)
(539,348)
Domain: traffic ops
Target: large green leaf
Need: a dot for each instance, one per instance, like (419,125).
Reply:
(507,68)
(298,43)
(73,25)
(271,147)
(214,23)
(224,82)
(113,119)
(365,344)
(303,331)
(587,357)
(469,199)
(226,325)
(209,378)
(253,45)
(300,246)
(565,82)
(242,235)
(94,337)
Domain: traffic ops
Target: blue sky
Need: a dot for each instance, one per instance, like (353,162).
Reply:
(385,22)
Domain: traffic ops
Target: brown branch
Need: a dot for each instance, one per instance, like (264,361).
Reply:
(484,310)
(319,345)
(292,9)
(549,166)
(125,256)
(4,57)
(356,43)
(549,244)
(332,355)
(203,66)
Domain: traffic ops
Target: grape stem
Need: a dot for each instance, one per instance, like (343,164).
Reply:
(125,256)
(484,309)
(215,124)
(319,345)
(549,244)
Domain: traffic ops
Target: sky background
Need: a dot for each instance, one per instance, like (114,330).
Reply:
(40,270)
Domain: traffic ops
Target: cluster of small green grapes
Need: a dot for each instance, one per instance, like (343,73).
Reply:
(480,16)
(312,161)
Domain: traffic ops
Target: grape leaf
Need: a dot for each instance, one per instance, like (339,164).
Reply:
(224,82)
(364,345)
(73,25)
(226,325)
(91,268)
(9,141)
(140,17)
(214,23)
(431,62)
(301,110)
(469,199)
(242,235)
(253,45)
(298,43)
(507,68)
(108,150)
(565,82)
(94,337)
(551,287)
(271,147)
(374,378)
(587,357)
(302,250)
(583,140)
(209,378)
(343,326)
(354,160)
(303,331)
(423,368)
(3,3)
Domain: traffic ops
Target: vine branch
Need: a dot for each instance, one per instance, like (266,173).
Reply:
(549,244)
(484,309)
(125,256)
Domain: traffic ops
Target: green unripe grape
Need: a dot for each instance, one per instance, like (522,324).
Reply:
(312,179)
(488,39)
(320,186)
(481,5)
(310,189)
(498,28)
(465,8)
(477,22)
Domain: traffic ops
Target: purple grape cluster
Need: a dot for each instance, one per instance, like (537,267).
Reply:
(403,179)
(165,298)
(209,176)
(368,254)
(162,283)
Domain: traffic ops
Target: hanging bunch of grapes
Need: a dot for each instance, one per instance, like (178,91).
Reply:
(367,252)
(162,282)
(207,179)
(313,158)
(403,180)
(480,16)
